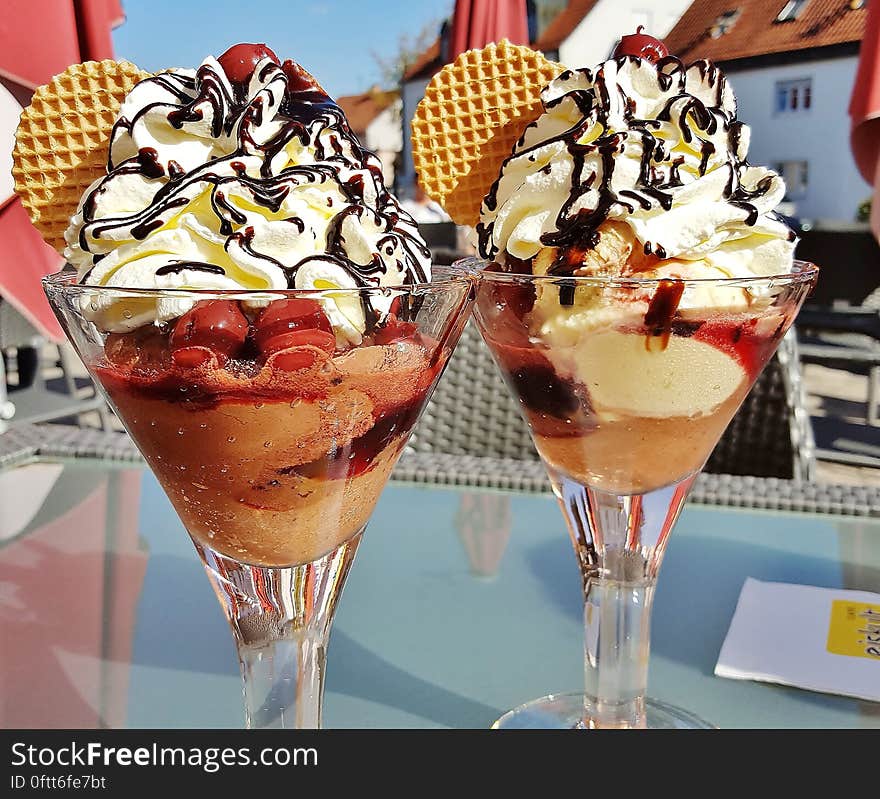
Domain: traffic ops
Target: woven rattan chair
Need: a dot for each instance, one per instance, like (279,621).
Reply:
(29,443)
(473,413)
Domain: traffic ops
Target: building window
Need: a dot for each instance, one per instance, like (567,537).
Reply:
(724,22)
(794,95)
(791,10)
(796,176)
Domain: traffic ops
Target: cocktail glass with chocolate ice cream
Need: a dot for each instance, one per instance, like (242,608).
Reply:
(273,443)
(262,316)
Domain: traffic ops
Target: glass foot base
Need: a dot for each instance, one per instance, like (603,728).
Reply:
(566,712)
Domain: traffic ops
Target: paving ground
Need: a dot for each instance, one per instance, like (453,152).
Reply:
(837,402)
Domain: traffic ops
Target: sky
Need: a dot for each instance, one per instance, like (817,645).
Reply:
(333,39)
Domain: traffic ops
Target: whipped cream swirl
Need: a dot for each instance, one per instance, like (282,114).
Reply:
(218,185)
(657,146)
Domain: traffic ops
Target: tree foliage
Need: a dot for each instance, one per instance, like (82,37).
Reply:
(410,46)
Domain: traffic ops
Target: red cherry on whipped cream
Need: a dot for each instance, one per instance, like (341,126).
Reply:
(283,317)
(642,46)
(298,79)
(212,327)
(238,61)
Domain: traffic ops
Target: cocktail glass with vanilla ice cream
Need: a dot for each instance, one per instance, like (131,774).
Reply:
(262,316)
(635,279)
(634,182)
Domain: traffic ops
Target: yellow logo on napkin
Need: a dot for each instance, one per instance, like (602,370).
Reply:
(854,629)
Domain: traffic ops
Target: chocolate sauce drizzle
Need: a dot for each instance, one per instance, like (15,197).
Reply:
(300,112)
(659,170)
(175,267)
(662,309)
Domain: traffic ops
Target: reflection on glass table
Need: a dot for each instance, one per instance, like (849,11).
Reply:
(72,567)
(468,604)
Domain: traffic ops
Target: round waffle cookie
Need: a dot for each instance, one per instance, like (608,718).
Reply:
(472,114)
(63,139)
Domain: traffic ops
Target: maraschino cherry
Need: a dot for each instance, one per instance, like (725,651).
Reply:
(215,327)
(238,61)
(294,329)
(302,349)
(641,45)
(274,326)
(394,330)
(299,79)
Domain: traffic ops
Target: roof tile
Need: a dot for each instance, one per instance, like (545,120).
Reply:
(755,32)
(362,109)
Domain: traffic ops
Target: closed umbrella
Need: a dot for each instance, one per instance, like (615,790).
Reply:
(476,23)
(38,39)
(865,111)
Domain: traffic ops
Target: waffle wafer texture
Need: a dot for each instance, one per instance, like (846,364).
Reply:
(473,111)
(63,139)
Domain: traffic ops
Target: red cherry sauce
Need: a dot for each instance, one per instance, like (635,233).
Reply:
(298,79)
(742,340)
(360,454)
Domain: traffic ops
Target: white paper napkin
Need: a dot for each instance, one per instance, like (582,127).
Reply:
(821,639)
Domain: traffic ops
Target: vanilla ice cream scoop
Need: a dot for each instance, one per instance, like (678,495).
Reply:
(245,180)
(687,378)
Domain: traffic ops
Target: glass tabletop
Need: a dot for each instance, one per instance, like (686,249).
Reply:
(462,604)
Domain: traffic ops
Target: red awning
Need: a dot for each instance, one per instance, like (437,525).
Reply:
(864,110)
(476,23)
(38,39)
(95,20)
(24,259)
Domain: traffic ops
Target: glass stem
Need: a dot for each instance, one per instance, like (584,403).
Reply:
(617,621)
(283,682)
(280,619)
(619,540)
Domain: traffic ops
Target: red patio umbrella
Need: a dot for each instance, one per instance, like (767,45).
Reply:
(39,38)
(864,111)
(476,23)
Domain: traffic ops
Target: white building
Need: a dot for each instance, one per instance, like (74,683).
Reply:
(412,90)
(576,33)
(374,116)
(586,31)
(791,65)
